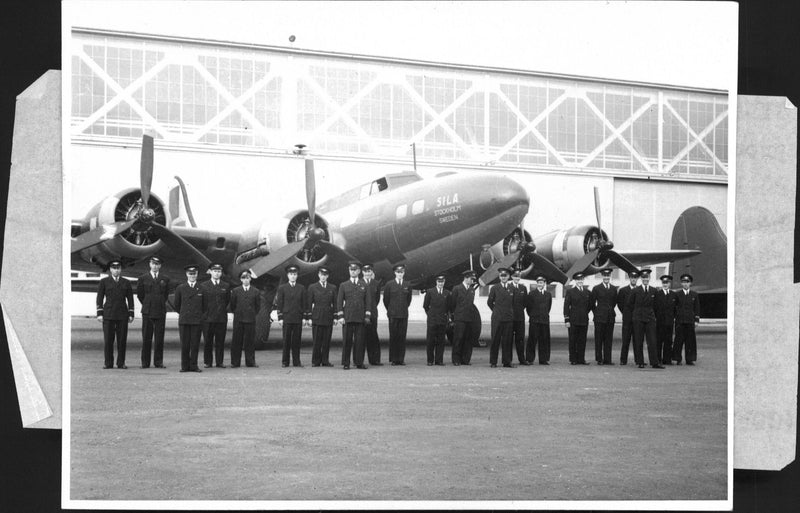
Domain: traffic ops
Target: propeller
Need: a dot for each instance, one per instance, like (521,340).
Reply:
(144,215)
(603,248)
(525,250)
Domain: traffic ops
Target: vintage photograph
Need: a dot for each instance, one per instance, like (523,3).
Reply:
(398,254)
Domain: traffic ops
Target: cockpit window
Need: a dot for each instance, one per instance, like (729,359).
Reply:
(373,188)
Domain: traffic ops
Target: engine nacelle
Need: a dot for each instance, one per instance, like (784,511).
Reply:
(565,247)
(276,233)
(134,244)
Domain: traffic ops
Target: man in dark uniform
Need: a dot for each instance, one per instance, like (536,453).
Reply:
(664,306)
(644,322)
(577,304)
(115,311)
(290,301)
(371,340)
(627,316)
(189,305)
(604,299)
(435,305)
(501,303)
(474,327)
(518,326)
(396,299)
(462,299)
(538,306)
(245,303)
(216,295)
(152,289)
(687,317)
(320,310)
(351,307)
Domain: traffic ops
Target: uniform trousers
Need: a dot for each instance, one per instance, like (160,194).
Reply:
(190,345)
(471,340)
(435,347)
(518,335)
(244,336)
(291,342)
(685,335)
(111,330)
(577,343)
(152,338)
(664,337)
(502,334)
(372,342)
(627,336)
(353,335)
(642,329)
(538,336)
(214,346)
(322,344)
(397,339)
(603,339)
(461,331)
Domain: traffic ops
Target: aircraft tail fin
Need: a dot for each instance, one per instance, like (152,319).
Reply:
(697,228)
(179,209)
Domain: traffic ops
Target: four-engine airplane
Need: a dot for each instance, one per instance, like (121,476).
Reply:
(445,224)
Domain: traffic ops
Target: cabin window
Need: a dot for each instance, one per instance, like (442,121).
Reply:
(418,207)
(401,211)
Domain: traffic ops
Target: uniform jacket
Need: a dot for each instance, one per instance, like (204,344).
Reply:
(352,300)
(603,302)
(520,298)
(115,299)
(290,302)
(622,302)
(687,307)
(577,304)
(321,303)
(501,302)
(396,299)
(664,306)
(462,301)
(436,305)
(189,304)
(642,304)
(374,287)
(153,295)
(538,305)
(245,305)
(215,300)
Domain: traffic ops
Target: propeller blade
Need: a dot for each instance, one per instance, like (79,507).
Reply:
(180,247)
(100,234)
(146,169)
(621,262)
(276,259)
(597,209)
(311,190)
(548,268)
(583,263)
(492,273)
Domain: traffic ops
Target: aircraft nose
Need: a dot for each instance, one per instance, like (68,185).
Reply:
(509,196)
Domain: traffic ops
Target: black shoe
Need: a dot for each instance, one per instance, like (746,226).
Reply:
(255,365)
(583,363)
(122,366)
(361,367)
(430,364)
(184,370)
(544,363)
(143,366)
(689,363)
(494,365)
(400,363)
(394,363)
(315,365)
(439,364)
(678,363)
(623,363)
(207,365)
(608,363)
(667,363)
(221,365)
(346,367)
(195,370)
(457,364)
(376,364)
(108,366)
(161,366)
(508,366)
(327,365)
(658,366)
(524,363)
(235,366)
(284,365)
(298,365)
(642,366)
(573,363)
(466,363)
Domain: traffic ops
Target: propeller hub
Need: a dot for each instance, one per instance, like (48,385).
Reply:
(316,234)
(147,215)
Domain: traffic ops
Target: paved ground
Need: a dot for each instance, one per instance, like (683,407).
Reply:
(559,432)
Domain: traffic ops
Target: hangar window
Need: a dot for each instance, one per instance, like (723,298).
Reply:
(402,211)
(418,207)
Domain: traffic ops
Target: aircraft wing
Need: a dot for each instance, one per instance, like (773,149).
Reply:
(656,257)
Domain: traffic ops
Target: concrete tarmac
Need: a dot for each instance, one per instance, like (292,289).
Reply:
(556,432)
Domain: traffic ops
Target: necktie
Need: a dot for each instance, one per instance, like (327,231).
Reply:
(155,276)
(606,286)
(246,289)
(440,290)
(355,282)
